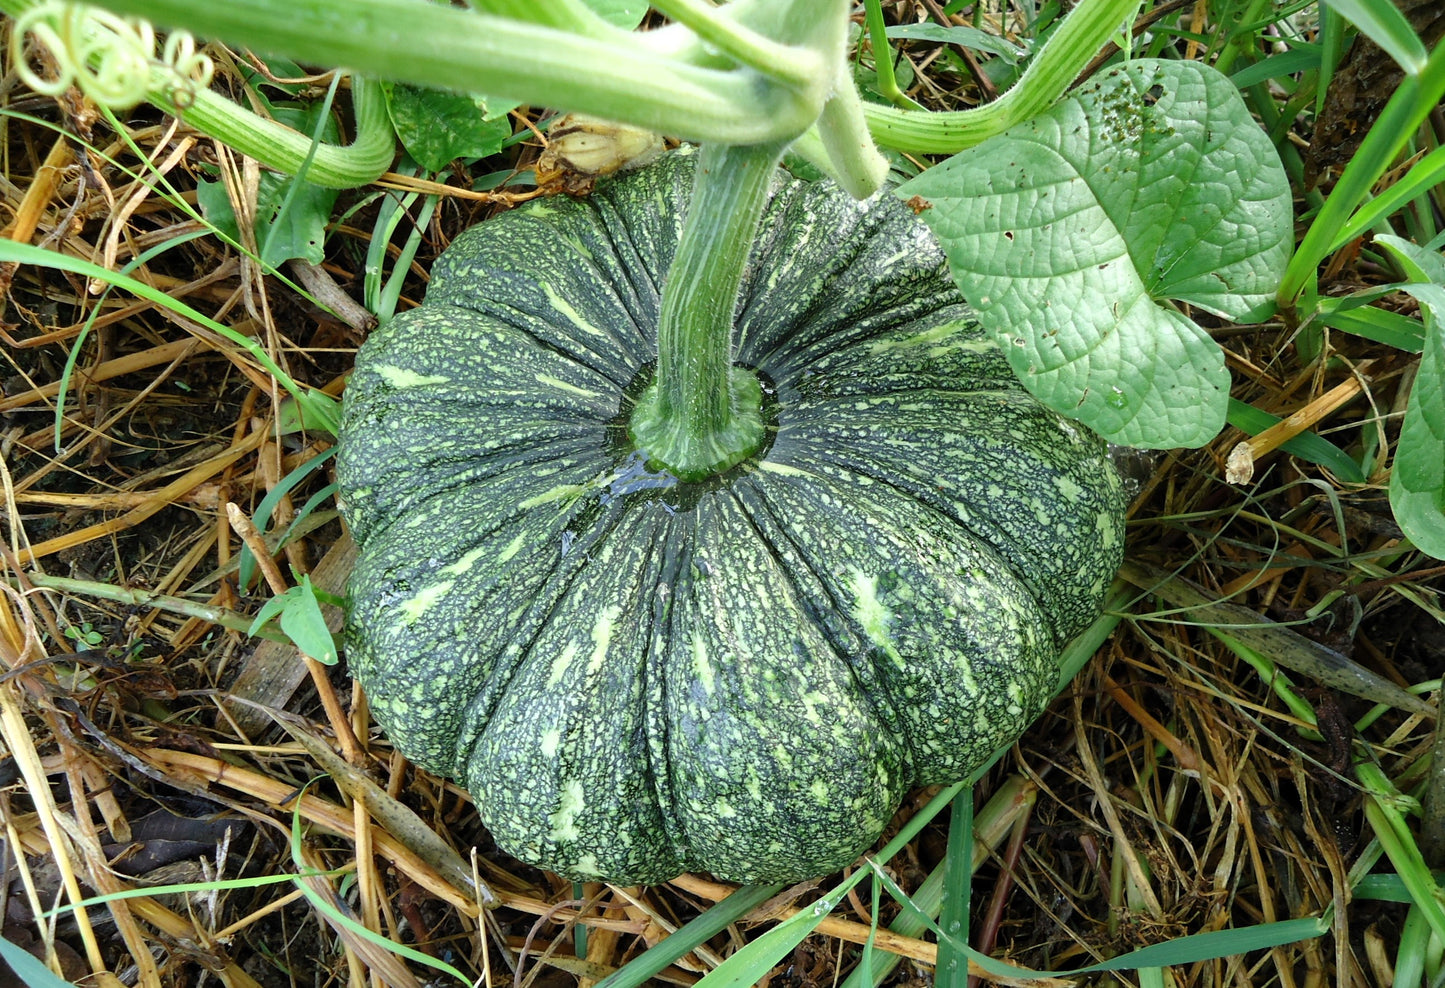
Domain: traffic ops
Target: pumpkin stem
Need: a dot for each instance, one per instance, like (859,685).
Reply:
(702,414)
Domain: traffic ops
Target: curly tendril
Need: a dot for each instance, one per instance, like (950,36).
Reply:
(110,58)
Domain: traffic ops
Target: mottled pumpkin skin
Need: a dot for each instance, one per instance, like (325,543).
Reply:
(635,677)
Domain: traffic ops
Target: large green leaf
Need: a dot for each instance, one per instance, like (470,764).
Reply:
(1068,231)
(1417,479)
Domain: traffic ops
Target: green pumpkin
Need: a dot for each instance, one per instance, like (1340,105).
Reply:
(636,677)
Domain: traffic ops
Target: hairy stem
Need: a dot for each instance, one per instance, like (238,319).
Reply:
(1087,28)
(277,146)
(599,70)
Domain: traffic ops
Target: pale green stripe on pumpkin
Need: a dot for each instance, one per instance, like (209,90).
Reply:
(702,664)
(561,385)
(782,469)
(464,564)
(425,600)
(513,547)
(602,637)
(873,616)
(564,820)
(567,312)
(561,663)
(947,333)
(558,493)
(400,377)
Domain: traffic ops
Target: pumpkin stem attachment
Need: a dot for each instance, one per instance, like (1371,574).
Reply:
(703,415)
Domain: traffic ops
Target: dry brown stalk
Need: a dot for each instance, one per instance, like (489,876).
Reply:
(340,725)
(337,819)
(1239,467)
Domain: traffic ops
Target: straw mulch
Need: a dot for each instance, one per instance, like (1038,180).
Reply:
(1170,791)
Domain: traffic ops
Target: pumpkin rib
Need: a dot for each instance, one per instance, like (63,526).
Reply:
(646,288)
(841,633)
(540,798)
(796,335)
(921,475)
(892,253)
(871,664)
(796,778)
(1062,629)
(558,583)
(676,559)
(496,283)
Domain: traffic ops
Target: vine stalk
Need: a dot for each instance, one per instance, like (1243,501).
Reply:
(702,414)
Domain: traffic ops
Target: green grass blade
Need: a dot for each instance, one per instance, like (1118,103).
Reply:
(1422,177)
(1406,110)
(1332,40)
(1382,810)
(1211,946)
(325,901)
(1383,23)
(29,969)
(991,827)
(1307,446)
(262,516)
(319,404)
(1181,950)
(744,968)
(1300,58)
(1372,323)
(1413,949)
(865,963)
(690,937)
(747,967)
(952,970)
(1386,887)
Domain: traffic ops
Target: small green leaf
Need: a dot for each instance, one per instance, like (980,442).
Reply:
(1067,231)
(1418,264)
(283,229)
(301,621)
(438,127)
(319,413)
(626,14)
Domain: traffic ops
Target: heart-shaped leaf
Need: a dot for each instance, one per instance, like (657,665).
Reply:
(1067,231)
